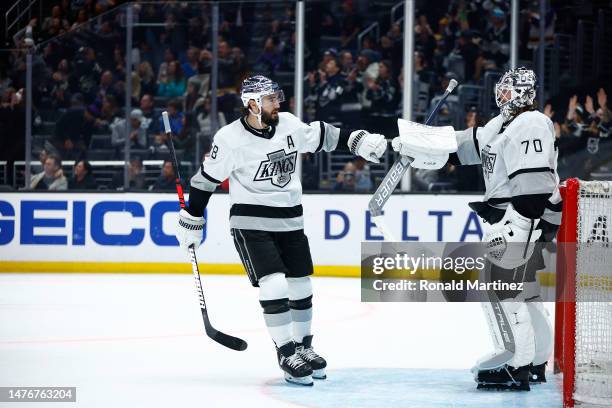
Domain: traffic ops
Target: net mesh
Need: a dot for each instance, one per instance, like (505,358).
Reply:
(593,363)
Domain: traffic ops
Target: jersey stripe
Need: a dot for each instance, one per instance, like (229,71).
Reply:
(254,210)
(531,170)
(476,146)
(321,136)
(208,177)
(499,200)
(555,207)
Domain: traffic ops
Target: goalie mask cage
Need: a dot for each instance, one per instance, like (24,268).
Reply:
(583,322)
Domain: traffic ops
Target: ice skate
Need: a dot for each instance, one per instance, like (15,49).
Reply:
(316,362)
(505,378)
(297,371)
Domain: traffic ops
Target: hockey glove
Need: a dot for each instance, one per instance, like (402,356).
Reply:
(370,146)
(511,242)
(189,230)
(429,146)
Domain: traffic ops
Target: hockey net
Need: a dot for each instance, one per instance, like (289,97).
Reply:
(583,323)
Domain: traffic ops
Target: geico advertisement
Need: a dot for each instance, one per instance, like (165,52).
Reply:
(134,227)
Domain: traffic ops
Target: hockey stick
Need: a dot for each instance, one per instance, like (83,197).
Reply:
(391,180)
(224,339)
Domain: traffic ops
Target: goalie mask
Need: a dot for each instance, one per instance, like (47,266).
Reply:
(515,90)
(263,91)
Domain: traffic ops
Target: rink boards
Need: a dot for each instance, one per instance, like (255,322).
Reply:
(134,232)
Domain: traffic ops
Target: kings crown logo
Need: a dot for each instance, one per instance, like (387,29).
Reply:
(488,161)
(278,168)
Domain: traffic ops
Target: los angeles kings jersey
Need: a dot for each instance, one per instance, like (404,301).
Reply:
(265,191)
(517,159)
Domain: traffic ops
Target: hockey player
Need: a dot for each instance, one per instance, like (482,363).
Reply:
(522,203)
(259,153)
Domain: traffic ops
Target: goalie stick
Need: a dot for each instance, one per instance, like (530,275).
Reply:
(224,339)
(399,168)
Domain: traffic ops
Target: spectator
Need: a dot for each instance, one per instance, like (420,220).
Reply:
(149,117)
(204,122)
(269,60)
(147,78)
(86,73)
(191,66)
(421,69)
(193,99)
(497,38)
(393,52)
(137,136)
(119,63)
(425,42)
(55,23)
(383,92)
(12,126)
(329,92)
(136,176)
(105,87)
(109,112)
(328,55)
(175,117)
(447,108)
(470,52)
(185,139)
(162,73)
(166,180)
(73,130)
(136,87)
(345,180)
(173,83)
(346,62)
(229,67)
(52,177)
(83,178)
(363,177)
(59,87)
(350,25)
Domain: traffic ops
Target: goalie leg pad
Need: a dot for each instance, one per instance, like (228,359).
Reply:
(543,332)
(510,326)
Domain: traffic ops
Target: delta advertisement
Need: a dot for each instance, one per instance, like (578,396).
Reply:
(139,228)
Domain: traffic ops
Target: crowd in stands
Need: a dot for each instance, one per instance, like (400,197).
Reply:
(81,81)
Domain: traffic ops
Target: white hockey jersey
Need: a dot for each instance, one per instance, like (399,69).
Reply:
(517,159)
(265,191)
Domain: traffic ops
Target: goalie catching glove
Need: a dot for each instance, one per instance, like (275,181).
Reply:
(511,242)
(428,146)
(370,146)
(190,230)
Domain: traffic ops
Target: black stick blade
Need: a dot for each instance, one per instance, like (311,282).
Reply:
(226,340)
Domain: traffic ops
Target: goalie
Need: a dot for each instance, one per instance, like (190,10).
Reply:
(522,203)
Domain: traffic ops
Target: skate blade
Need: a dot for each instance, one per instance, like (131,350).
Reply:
(509,386)
(319,374)
(305,381)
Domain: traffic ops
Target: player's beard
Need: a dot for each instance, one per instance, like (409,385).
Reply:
(270,119)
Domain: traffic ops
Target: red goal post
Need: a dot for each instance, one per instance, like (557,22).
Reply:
(583,312)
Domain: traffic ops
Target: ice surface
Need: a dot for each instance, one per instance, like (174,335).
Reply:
(138,341)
